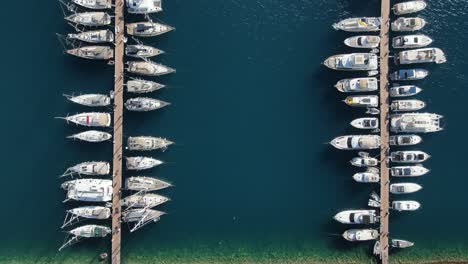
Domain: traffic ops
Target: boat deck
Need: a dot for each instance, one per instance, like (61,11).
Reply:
(384,131)
(118,130)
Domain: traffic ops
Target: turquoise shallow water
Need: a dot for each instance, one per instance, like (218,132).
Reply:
(252,108)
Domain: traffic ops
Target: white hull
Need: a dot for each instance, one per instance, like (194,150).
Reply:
(413,156)
(365,123)
(356,142)
(355,85)
(142,163)
(354,235)
(405,205)
(147,200)
(356,217)
(404,188)
(92,136)
(408,171)
(142,86)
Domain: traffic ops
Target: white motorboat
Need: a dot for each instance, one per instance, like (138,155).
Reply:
(142,51)
(148,68)
(364,160)
(405,205)
(353,62)
(143,86)
(147,29)
(398,243)
(92,136)
(403,188)
(424,55)
(356,142)
(405,140)
(360,217)
(143,200)
(92,19)
(366,42)
(75,215)
(409,7)
(409,75)
(90,168)
(408,171)
(359,24)
(144,143)
(88,190)
(90,99)
(93,52)
(144,104)
(372,175)
(137,218)
(87,231)
(354,235)
(409,156)
(415,123)
(357,85)
(407,105)
(366,123)
(404,91)
(143,6)
(94,36)
(408,24)
(94,4)
(90,119)
(411,41)
(362,101)
(148,184)
(142,163)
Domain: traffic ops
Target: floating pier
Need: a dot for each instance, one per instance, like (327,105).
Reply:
(384,131)
(118,130)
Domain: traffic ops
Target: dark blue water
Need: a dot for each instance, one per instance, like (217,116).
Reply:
(252,111)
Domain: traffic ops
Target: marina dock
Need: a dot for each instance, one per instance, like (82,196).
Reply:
(384,131)
(118,130)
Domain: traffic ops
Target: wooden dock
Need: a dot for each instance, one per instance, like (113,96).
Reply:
(118,129)
(384,131)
